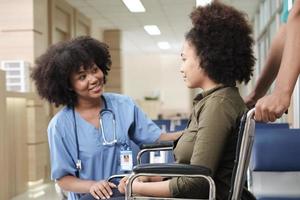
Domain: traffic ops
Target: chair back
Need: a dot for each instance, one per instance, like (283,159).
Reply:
(243,152)
(261,125)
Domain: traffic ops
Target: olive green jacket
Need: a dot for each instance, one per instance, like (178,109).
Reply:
(210,140)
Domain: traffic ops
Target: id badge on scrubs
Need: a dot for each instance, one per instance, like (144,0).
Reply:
(126,160)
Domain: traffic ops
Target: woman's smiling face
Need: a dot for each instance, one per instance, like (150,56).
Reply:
(88,83)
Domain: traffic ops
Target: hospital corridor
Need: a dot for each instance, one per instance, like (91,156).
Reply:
(153,89)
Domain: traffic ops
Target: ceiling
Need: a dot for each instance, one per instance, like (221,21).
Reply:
(171,16)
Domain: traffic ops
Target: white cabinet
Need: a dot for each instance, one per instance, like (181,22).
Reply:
(17,75)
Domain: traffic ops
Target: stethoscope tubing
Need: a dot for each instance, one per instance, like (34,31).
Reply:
(101,124)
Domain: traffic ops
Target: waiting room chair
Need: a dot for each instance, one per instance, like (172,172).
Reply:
(178,124)
(164,125)
(275,164)
(160,154)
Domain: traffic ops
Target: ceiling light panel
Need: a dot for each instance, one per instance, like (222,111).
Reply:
(164,45)
(203,2)
(152,29)
(134,5)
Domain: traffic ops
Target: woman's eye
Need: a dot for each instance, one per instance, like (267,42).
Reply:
(95,69)
(81,77)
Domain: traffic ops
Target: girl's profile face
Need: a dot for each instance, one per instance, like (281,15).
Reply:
(88,83)
(193,74)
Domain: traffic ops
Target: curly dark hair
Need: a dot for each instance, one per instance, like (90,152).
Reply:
(223,41)
(53,69)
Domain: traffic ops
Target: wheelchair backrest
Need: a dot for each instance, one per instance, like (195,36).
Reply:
(243,152)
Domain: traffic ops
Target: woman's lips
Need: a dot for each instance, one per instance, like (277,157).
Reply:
(96,89)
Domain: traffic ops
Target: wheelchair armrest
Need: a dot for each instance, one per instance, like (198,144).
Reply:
(172,169)
(117,176)
(157,145)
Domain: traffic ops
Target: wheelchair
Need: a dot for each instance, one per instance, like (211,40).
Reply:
(242,157)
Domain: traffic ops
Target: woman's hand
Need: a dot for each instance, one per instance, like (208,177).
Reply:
(122,185)
(102,189)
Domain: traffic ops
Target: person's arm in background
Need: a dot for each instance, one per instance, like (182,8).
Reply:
(270,69)
(273,106)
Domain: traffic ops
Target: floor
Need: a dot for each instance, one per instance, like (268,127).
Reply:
(40,192)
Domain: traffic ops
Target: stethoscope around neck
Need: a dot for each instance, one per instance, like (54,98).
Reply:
(101,114)
(104,111)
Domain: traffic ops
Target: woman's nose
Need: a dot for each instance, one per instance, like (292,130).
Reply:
(92,78)
(181,69)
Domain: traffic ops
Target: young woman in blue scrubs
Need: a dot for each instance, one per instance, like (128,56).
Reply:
(84,152)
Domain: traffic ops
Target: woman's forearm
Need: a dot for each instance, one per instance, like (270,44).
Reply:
(73,184)
(157,189)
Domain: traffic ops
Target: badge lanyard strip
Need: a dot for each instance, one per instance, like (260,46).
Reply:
(78,163)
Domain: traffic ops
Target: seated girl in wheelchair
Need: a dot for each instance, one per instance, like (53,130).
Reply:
(217,53)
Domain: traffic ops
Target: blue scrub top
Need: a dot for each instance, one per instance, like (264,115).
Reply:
(285,11)
(98,161)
